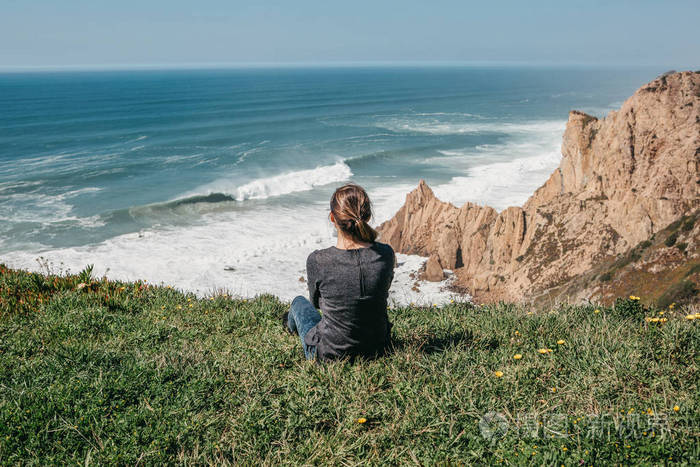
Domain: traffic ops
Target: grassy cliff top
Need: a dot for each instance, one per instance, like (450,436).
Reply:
(110,372)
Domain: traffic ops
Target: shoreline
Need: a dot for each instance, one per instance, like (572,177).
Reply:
(238,250)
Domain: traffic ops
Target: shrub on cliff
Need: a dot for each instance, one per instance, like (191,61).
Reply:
(671,239)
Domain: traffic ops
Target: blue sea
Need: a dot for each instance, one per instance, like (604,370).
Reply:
(220,179)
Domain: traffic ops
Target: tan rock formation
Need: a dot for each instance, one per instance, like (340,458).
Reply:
(621,179)
(433,270)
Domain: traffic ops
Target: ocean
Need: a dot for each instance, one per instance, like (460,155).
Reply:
(213,180)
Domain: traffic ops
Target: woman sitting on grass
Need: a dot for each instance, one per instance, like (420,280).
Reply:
(350,283)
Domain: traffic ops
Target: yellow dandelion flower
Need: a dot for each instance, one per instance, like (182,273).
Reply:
(650,412)
(517,356)
(663,320)
(676,408)
(564,448)
(542,351)
(554,389)
(596,311)
(361,420)
(690,317)
(498,373)
(561,342)
(671,306)
(517,333)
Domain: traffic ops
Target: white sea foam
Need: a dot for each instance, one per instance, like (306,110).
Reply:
(501,184)
(241,251)
(80,191)
(15,186)
(57,163)
(437,126)
(245,253)
(243,155)
(502,175)
(388,199)
(177,158)
(291,182)
(45,208)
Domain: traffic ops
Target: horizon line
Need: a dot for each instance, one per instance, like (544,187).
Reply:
(321,64)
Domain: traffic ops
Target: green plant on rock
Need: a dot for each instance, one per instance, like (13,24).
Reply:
(681,292)
(644,245)
(688,224)
(671,239)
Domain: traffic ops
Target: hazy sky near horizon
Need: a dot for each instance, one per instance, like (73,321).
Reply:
(50,33)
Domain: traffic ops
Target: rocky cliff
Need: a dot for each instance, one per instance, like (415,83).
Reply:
(621,179)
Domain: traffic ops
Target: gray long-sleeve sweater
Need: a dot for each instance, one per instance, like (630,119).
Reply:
(351,287)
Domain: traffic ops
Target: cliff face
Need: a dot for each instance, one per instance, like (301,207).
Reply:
(621,179)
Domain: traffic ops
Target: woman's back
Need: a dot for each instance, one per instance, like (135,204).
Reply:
(351,288)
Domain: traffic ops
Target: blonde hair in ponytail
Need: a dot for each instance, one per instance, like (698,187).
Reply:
(352,210)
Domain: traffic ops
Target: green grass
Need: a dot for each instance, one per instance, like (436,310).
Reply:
(128,373)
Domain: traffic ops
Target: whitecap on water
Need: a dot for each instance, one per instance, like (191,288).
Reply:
(290,182)
(264,250)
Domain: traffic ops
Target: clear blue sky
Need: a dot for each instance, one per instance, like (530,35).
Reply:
(173,32)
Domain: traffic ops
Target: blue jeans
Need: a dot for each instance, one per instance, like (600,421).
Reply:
(302,317)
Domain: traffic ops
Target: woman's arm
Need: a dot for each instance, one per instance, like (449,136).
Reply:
(312,279)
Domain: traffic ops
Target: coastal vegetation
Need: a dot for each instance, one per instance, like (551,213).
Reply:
(100,371)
